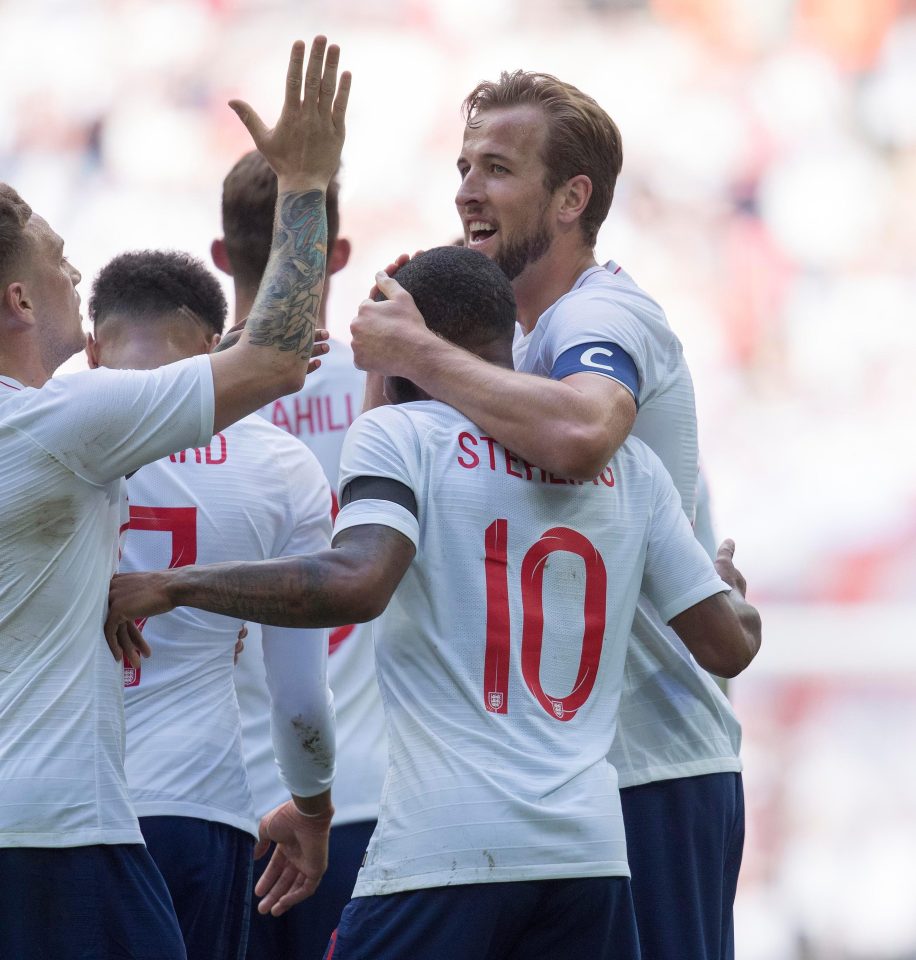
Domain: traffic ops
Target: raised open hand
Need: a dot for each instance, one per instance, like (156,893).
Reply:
(304,147)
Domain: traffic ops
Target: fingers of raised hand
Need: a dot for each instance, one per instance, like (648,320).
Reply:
(329,80)
(339,111)
(294,74)
(314,69)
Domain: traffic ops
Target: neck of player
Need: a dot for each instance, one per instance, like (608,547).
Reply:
(543,282)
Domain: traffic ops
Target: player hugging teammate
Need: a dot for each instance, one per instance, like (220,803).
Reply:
(515,520)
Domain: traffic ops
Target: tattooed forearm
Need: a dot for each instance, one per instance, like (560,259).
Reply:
(349,583)
(285,310)
(282,593)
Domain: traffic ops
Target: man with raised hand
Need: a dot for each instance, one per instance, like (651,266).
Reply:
(318,415)
(252,493)
(506,595)
(76,878)
(596,360)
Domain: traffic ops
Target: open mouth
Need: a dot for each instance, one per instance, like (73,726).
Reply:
(480,230)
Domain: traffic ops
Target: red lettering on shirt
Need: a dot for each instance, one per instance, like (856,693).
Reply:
(491,443)
(513,464)
(464,438)
(208,456)
(510,459)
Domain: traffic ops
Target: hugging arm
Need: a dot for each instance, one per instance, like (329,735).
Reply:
(349,583)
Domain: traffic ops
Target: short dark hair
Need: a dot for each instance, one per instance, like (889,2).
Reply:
(148,283)
(581,137)
(14,216)
(462,294)
(249,200)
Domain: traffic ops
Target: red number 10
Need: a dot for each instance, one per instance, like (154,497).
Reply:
(496,659)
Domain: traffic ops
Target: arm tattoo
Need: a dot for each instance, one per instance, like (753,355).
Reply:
(286,308)
(325,589)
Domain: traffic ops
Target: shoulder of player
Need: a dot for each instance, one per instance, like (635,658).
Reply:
(636,455)
(272,441)
(604,297)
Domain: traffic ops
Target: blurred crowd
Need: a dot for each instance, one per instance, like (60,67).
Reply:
(768,201)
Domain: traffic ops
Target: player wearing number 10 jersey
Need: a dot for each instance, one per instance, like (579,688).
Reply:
(252,492)
(509,594)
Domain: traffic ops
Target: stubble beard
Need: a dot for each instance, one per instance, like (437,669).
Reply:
(515,255)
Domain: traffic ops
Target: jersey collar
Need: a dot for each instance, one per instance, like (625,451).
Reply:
(9,383)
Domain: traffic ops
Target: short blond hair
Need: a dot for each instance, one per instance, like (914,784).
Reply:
(14,216)
(581,137)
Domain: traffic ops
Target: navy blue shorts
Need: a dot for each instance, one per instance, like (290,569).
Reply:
(207,868)
(684,843)
(302,933)
(107,902)
(587,918)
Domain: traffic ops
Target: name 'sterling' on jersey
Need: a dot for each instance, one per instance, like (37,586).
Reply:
(499,459)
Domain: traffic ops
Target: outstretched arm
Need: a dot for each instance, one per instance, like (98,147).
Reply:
(723,632)
(350,583)
(271,356)
(571,427)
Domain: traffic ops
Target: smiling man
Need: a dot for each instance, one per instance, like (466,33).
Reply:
(506,596)
(595,360)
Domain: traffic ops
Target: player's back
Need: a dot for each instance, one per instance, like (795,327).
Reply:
(240,498)
(500,656)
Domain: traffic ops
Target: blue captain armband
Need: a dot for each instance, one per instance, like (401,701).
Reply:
(602,357)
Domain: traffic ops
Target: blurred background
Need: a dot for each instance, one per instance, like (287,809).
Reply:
(768,201)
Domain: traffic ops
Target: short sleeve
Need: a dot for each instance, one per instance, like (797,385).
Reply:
(589,316)
(678,572)
(310,503)
(381,443)
(103,424)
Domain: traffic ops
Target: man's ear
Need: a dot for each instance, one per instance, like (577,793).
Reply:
(18,302)
(92,351)
(214,342)
(339,256)
(220,257)
(574,197)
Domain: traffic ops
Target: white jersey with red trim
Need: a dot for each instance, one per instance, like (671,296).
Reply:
(319,415)
(674,719)
(63,451)
(501,654)
(253,493)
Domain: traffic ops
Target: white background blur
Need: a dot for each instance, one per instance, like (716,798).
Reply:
(768,201)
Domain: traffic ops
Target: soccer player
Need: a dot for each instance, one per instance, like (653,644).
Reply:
(596,360)
(508,594)
(318,415)
(76,878)
(252,493)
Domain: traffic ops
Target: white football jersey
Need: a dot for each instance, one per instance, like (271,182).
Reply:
(63,450)
(501,654)
(253,493)
(674,719)
(319,415)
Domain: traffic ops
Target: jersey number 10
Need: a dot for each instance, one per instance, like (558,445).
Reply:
(496,661)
